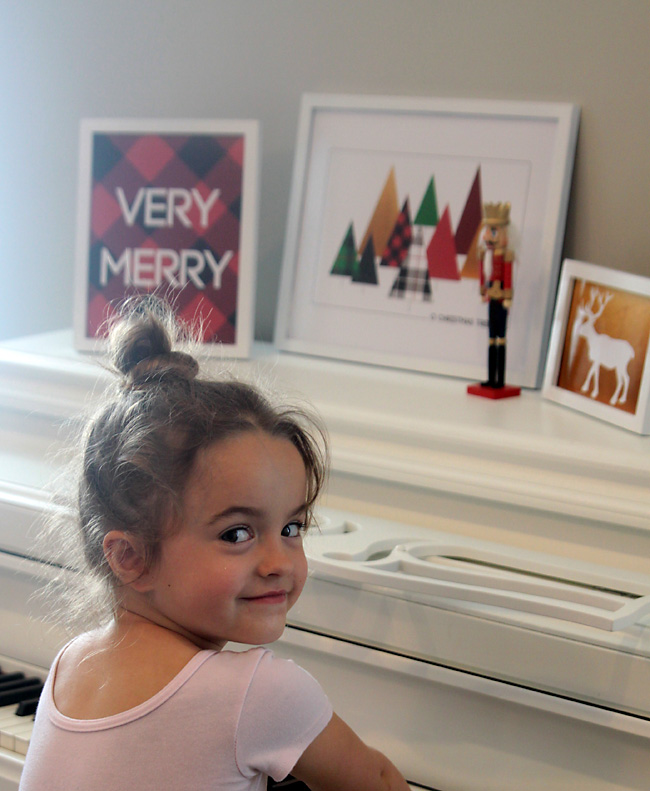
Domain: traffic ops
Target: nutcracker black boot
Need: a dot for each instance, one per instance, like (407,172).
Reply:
(500,365)
(492,367)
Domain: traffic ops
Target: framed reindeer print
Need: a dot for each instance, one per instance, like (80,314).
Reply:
(599,353)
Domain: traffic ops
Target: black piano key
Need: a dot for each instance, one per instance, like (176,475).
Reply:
(27,708)
(21,682)
(288,784)
(11,696)
(8,678)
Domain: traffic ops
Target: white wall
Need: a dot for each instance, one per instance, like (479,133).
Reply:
(62,61)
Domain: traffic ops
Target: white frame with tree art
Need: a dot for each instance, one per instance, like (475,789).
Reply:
(346,145)
(577,355)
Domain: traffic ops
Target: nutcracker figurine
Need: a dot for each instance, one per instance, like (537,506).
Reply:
(496,261)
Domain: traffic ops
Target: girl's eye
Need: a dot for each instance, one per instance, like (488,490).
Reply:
(237,535)
(293,529)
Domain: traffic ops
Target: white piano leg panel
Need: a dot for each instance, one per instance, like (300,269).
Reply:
(468,734)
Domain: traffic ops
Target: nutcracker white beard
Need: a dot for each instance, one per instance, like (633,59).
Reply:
(488,260)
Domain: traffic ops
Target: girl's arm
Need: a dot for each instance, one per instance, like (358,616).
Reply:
(337,760)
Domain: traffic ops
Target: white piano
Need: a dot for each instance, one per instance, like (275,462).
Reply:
(479,599)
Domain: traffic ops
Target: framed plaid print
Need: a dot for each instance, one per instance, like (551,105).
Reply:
(599,354)
(168,207)
(381,252)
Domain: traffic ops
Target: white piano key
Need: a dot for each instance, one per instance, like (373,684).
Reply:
(8,714)
(8,733)
(22,741)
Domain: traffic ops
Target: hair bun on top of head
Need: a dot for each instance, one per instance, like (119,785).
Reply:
(154,369)
(141,344)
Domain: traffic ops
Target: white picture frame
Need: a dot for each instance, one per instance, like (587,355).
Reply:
(522,152)
(168,206)
(599,352)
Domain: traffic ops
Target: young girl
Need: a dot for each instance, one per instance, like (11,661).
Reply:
(192,503)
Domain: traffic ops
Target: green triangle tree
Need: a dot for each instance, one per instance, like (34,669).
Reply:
(428,211)
(347,255)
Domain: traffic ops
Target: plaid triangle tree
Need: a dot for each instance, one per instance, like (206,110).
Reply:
(400,239)
(413,278)
(347,256)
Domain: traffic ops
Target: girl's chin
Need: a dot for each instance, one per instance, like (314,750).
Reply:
(260,636)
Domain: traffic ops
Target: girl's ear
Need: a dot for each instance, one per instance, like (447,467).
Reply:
(125,556)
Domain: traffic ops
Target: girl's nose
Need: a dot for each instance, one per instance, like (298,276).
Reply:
(274,560)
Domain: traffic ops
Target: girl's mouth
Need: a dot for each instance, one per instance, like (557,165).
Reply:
(272,597)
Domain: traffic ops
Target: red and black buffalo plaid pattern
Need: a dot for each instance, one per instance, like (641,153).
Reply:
(400,239)
(202,162)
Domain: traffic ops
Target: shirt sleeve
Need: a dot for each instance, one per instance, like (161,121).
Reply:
(284,710)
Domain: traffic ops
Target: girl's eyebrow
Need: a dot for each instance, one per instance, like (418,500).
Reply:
(239,510)
(301,511)
(251,511)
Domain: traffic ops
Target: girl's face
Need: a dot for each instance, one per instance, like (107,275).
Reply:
(236,565)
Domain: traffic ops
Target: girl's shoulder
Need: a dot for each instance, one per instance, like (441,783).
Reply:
(97,675)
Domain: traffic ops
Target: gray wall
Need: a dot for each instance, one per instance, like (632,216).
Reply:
(62,61)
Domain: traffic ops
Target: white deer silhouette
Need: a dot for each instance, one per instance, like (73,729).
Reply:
(603,351)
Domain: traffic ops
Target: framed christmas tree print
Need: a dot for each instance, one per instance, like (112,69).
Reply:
(168,208)
(381,261)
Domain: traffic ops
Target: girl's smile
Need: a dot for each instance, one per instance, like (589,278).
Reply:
(236,565)
(273,597)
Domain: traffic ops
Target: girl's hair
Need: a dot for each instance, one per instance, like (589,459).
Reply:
(139,448)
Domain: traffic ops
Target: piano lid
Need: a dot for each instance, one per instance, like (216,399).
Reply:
(575,629)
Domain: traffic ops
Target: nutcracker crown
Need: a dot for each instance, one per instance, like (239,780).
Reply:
(496,213)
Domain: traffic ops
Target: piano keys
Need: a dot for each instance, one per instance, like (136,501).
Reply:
(19,696)
(15,688)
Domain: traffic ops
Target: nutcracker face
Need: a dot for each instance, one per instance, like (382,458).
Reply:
(495,236)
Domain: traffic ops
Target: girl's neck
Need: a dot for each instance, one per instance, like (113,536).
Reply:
(130,622)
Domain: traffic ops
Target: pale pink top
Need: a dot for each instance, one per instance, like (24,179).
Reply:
(224,722)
